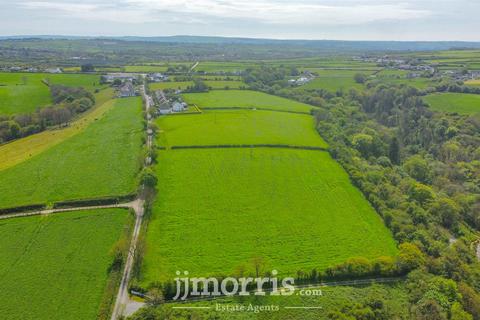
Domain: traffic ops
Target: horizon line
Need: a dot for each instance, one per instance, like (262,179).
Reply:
(64,36)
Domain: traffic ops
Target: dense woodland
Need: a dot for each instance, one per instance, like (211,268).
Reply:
(67,102)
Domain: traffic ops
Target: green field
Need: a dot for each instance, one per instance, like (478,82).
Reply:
(244,99)
(24,92)
(23,149)
(181,85)
(239,127)
(454,102)
(102,160)
(218,209)
(56,267)
(219,66)
(146,68)
(333,80)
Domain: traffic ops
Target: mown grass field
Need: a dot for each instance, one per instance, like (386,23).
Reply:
(454,102)
(56,267)
(181,85)
(244,99)
(102,160)
(333,299)
(24,92)
(218,209)
(239,127)
(146,68)
(221,66)
(20,150)
(333,80)
(399,77)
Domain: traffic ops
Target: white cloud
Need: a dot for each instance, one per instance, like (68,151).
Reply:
(318,13)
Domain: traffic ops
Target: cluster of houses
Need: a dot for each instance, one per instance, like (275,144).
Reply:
(175,107)
(165,106)
(462,75)
(157,77)
(306,77)
(125,81)
(123,77)
(127,90)
(30,69)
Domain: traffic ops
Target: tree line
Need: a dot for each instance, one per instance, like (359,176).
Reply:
(68,102)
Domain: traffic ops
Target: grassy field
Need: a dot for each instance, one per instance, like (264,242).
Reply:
(56,267)
(102,160)
(399,77)
(333,299)
(184,84)
(20,150)
(454,102)
(220,66)
(244,99)
(474,83)
(239,127)
(333,80)
(24,92)
(147,68)
(218,209)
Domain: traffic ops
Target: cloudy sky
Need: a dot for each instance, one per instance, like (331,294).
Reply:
(280,19)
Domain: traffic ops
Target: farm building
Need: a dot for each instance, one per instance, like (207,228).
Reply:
(178,106)
(127,90)
(165,108)
(157,77)
(111,77)
(54,70)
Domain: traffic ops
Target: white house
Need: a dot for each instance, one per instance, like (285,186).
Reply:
(178,106)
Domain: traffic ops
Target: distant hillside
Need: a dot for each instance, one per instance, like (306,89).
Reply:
(327,45)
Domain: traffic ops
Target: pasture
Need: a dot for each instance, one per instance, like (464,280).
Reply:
(244,99)
(239,127)
(454,102)
(56,267)
(182,85)
(23,149)
(102,160)
(221,66)
(333,80)
(219,209)
(25,92)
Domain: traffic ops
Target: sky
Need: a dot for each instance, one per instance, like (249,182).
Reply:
(428,20)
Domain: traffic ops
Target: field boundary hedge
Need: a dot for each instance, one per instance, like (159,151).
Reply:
(257,108)
(94,201)
(27,208)
(227,146)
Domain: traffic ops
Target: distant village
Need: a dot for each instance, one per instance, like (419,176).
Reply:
(126,83)
(418,69)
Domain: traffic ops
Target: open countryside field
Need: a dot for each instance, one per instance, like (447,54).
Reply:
(220,66)
(181,85)
(239,127)
(24,92)
(56,267)
(244,99)
(333,80)
(23,149)
(474,83)
(103,160)
(295,209)
(454,102)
